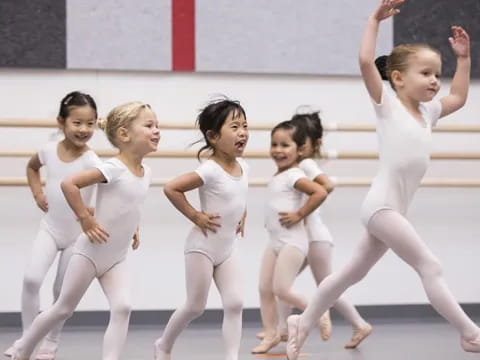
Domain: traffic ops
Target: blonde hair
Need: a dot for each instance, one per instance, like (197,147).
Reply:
(120,116)
(400,55)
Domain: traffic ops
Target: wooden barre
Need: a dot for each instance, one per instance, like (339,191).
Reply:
(342,182)
(329,154)
(329,126)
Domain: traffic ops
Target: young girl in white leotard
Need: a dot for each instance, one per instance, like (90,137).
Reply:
(222,182)
(405,116)
(285,211)
(100,251)
(59,227)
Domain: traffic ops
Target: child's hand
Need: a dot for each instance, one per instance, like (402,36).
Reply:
(136,240)
(206,222)
(94,232)
(289,219)
(241,227)
(386,9)
(460,42)
(41,201)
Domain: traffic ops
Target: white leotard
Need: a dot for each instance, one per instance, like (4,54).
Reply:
(404,148)
(223,194)
(60,221)
(283,197)
(316,229)
(118,211)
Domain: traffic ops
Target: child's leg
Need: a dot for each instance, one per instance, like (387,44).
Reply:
(116,286)
(289,262)
(51,340)
(43,254)
(268,303)
(198,277)
(228,279)
(369,251)
(397,233)
(79,275)
(320,259)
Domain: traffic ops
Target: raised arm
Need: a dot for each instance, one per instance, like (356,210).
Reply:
(366,57)
(175,191)
(460,43)
(35,183)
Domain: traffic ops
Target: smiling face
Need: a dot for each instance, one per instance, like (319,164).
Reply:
(233,136)
(420,81)
(79,125)
(283,149)
(143,132)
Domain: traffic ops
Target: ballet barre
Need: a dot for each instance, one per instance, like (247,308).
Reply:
(327,154)
(328,126)
(341,182)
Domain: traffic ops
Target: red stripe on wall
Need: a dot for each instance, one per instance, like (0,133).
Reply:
(183,35)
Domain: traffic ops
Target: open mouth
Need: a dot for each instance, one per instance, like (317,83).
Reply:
(240,145)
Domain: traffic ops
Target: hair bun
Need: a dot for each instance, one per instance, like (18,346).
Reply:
(381,63)
(102,123)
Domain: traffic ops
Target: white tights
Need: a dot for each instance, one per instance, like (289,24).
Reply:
(44,252)
(78,277)
(199,272)
(388,229)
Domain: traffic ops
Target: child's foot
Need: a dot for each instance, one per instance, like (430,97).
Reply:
(296,337)
(266,344)
(325,325)
(283,335)
(158,353)
(45,354)
(472,345)
(358,336)
(9,351)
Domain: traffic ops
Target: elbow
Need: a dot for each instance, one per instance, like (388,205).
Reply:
(168,190)
(329,188)
(66,185)
(322,195)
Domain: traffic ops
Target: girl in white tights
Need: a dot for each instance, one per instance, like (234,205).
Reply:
(222,182)
(405,116)
(59,227)
(100,252)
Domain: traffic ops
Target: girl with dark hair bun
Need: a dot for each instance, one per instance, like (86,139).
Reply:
(405,117)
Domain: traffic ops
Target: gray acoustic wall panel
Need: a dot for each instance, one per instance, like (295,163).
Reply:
(32,33)
(283,36)
(429,21)
(119,34)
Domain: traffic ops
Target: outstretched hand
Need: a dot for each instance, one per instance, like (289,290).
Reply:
(460,42)
(387,8)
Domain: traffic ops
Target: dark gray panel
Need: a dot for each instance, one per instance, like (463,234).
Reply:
(32,33)
(429,21)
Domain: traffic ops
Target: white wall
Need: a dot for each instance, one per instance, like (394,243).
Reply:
(446,218)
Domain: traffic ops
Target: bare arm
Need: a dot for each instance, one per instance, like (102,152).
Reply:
(366,57)
(317,194)
(71,189)
(175,192)
(35,183)
(457,97)
(325,181)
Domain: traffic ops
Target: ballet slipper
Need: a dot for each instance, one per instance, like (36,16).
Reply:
(158,353)
(283,336)
(293,343)
(358,336)
(9,351)
(325,325)
(472,345)
(46,354)
(266,344)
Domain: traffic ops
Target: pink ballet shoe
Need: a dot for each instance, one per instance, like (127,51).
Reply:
(283,337)
(158,353)
(358,336)
(293,346)
(266,345)
(46,354)
(9,351)
(325,325)
(472,345)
